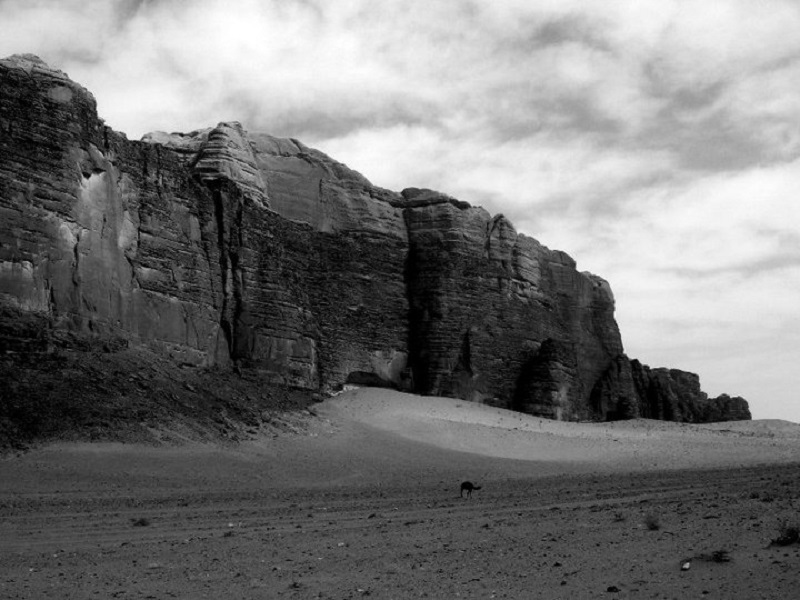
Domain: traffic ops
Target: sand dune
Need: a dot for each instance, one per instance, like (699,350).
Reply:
(623,445)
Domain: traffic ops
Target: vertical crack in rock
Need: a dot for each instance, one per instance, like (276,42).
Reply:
(241,338)
(76,259)
(225,322)
(464,363)
(52,305)
(417,354)
(226,164)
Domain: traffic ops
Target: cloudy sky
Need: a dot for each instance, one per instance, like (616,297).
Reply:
(657,142)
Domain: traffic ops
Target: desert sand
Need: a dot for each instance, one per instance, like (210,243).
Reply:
(360,498)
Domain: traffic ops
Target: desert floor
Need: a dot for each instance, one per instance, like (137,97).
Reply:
(361,498)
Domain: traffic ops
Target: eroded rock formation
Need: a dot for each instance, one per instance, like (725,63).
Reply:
(221,247)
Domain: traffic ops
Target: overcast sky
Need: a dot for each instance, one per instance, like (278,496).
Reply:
(657,142)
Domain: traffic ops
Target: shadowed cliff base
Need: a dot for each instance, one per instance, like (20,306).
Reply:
(68,388)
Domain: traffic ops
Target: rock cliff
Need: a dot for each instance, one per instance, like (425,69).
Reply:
(224,248)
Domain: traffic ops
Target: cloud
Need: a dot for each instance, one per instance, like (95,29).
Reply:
(66,31)
(707,278)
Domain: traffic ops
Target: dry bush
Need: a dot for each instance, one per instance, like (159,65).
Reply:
(720,556)
(788,534)
(652,522)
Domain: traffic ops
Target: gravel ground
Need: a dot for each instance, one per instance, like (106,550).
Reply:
(363,500)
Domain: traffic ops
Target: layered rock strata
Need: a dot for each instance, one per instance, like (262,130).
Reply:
(220,247)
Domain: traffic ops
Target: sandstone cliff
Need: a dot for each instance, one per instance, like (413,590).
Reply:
(225,248)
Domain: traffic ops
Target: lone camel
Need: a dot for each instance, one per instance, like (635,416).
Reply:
(468,486)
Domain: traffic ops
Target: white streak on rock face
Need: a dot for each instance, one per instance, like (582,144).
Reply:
(128,238)
(21,286)
(147,274)
(69,234)
(102,276)
(22,270)
(128,232)
(389,364)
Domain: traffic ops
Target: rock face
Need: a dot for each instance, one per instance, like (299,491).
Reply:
(487,305)
(672,395)
(220,247)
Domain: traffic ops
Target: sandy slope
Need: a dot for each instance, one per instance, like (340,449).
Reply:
(623,445)
(364,502)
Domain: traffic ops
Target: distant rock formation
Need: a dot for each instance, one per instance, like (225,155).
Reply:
(221,247)
(672,395)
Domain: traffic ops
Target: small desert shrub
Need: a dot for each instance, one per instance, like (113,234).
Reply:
(788,534)
(717,556)
(652,522)
(720,556)
(140,522)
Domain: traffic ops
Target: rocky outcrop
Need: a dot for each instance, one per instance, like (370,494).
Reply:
(628,389)
(673,395)
(221,247)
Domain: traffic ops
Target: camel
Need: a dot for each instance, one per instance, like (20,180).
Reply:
(468,486)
